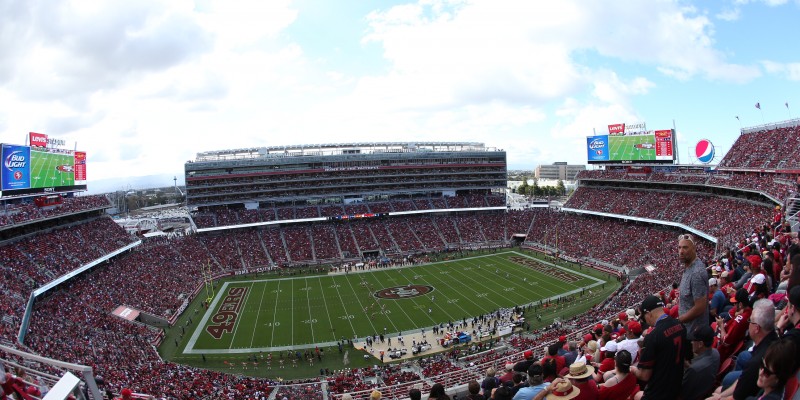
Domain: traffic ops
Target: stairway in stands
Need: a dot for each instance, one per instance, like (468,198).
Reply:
(793,211)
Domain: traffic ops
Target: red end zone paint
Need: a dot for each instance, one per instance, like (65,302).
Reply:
(545,269)
(225,317)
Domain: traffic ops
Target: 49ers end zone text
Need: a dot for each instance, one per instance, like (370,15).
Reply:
(225,317)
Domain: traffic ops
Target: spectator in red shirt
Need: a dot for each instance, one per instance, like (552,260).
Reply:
(731,333)
(552,352)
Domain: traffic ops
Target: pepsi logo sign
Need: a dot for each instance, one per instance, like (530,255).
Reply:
(704,150)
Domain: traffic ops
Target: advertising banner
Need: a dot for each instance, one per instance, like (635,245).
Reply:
(616,129)
(16,167)
(597,148)
(38,139)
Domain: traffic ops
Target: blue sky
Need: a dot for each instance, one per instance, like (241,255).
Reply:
(143,86)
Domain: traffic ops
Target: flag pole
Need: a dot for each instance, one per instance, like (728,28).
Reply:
(788,110)
(740,125)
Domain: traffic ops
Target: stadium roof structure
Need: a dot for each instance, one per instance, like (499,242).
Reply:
(340,148)
(791,123)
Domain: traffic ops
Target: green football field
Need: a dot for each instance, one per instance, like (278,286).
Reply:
(623,148)
(252,315)
(45,172)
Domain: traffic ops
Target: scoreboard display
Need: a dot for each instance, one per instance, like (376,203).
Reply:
(645,147)
(34,170)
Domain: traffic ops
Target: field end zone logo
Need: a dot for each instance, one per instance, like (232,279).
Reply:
(403,292)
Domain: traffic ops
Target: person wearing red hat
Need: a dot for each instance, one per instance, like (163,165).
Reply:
(126,394)
(732,332)
(523,365)
(562,345)
(631,341)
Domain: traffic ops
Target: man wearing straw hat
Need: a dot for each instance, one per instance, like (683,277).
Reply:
(578,375)
(560,389)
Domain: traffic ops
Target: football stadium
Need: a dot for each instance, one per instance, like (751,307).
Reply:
(335,271)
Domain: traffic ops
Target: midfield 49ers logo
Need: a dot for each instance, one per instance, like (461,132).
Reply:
(403,292)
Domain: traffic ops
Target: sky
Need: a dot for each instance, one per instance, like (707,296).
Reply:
(143,86)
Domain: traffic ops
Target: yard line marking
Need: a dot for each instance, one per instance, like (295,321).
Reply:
(391,321)
(491,290)
(239,319)
(506,264)
(258,314)
(310,316)
(325,301)
(291,313)
(275,312)
(189,349)
(347,278)
(414,299)
(559,267)
(469,298)
(553,288)
(344,307)
(343,303)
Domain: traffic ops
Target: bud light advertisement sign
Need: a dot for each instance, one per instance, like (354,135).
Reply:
(597,148)
(16,167)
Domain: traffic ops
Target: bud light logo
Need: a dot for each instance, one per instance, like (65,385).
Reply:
(597,144)
(16,167)
(597,148)
(704,150)
(15,160)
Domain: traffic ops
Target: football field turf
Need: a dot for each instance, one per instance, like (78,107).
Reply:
(625,147)
(45,172)
(251,315)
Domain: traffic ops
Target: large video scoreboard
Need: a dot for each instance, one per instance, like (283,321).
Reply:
(631,146)
(33,170)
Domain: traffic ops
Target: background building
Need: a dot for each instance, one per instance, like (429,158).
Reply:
(558,170)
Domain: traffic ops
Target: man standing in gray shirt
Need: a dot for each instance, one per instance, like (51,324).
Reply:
(693,291)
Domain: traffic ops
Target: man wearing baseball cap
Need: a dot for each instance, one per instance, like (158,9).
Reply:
(523,365)
(536,383)
(698,380)
(664,352)
(732,332)
(631,342)
(718,298)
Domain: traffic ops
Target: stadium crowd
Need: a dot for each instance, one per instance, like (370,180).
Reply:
(706,213)
(223,215)
(752,285)
(15,214)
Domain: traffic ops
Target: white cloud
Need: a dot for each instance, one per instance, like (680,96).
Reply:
(729,14)
(144,86)
(771,3)
(790,71)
